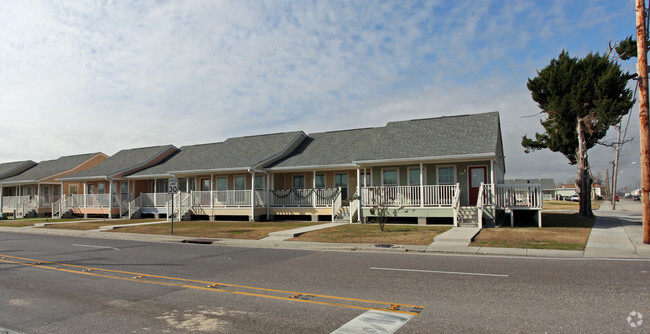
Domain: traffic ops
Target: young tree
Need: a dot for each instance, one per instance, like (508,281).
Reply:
(582,99)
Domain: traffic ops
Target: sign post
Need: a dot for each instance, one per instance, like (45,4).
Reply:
(172,188)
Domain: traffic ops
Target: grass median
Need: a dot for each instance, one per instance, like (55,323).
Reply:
(565,231)
(568,205)
(95,224)
(370,234)
(208,229)
(23,222)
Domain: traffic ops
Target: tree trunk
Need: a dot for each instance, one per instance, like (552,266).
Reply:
(584,179)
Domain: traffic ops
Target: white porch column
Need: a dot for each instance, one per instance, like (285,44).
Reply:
(38,197)
(211,193)
(421,185)
(155,192)
(1,195)
(313,188)
(252,196)
(359,192)
(268,196)
(85,192)
(494,187)
(110,199)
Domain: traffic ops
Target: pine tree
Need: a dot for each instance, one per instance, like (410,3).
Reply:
(582,99)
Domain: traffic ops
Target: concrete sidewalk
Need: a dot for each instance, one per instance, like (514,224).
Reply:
(617,234)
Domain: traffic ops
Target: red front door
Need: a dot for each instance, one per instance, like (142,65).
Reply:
(476,176)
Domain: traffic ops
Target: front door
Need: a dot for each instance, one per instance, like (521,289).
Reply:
(477,175)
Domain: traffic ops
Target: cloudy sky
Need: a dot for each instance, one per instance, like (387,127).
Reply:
(89,76)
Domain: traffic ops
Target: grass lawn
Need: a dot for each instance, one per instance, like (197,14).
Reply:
(370,233)
(566,231)
(567,205)
(95,224)
(208,229)
(30,221)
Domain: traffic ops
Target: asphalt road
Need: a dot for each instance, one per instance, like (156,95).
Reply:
(114,286)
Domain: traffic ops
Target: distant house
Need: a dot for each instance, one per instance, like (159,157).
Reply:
(102,190)
(549,191)
(568,190)
(33,191)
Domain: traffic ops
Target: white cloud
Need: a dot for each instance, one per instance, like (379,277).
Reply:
(104,76)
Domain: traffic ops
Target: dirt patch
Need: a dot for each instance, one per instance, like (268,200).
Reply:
(560,231)
(370,233)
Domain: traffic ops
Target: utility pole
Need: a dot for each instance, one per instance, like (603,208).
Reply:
(615,167)
(642,69)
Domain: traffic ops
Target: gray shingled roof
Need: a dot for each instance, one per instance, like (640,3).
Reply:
(120,162)
(49,168)
(234,153)
(547,184)
(432,137)
(9,169)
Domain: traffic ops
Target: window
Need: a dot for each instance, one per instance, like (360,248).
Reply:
(222,183)
(389,177)
(101,188)
(182,185)
(259,182)
(57,191)
(114,187)
(240,182)
(414,176)
(319,181)
(73,190)
(341,181)
(446,175)
(91,188)
(366,180)
(124,188)
(205,184)
(298,182)
(162,186)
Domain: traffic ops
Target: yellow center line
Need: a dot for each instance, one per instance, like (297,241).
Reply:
(41,264)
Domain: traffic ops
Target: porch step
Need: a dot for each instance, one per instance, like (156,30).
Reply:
(343,215)
(468,216)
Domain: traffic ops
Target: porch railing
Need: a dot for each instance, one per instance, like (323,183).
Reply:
(47,200)
(11,202)
(336,204)
(410,196)
(95,201)
(512,196)
(227,198)
(304,197)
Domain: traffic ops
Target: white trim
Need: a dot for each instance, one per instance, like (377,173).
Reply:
(428,159)
(446,166)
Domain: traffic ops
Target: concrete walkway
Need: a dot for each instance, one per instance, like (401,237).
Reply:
(617,234)
(288,234)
